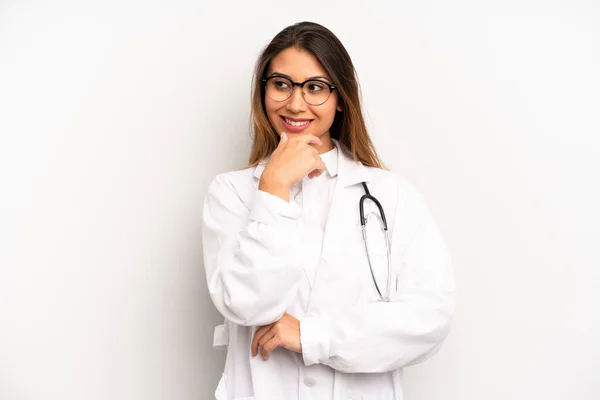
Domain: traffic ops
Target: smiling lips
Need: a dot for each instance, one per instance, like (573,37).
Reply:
(296,124)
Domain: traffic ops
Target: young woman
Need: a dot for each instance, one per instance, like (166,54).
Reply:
(312,309)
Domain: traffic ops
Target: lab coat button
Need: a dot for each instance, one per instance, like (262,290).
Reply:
(310,382)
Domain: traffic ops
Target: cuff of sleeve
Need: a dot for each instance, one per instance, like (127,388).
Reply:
(272,210)
(315,338)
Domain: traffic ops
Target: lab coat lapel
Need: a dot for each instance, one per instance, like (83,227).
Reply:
(343,211)
(333,286)
(343,218)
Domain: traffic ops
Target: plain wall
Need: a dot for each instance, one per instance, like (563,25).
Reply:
(114,118)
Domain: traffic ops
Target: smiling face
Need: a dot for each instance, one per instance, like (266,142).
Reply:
(295,116)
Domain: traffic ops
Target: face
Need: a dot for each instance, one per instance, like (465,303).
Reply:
(295,116)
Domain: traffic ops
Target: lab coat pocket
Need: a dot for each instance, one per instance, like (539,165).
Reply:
(364,278)
(221,337)
(222,394)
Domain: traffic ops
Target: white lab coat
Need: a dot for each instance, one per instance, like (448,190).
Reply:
(254,269)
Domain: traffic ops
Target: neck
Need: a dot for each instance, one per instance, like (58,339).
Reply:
(327,144)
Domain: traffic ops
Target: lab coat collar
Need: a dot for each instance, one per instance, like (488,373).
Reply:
(349,171)
(330,158)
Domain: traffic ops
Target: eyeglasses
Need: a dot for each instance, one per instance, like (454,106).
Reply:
(314,91)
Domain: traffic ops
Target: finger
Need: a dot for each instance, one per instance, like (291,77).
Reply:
(315,173)
(319,168)
(284,137)
(321,165)
(266,337)
(257,335)
(271,345)
(310,139)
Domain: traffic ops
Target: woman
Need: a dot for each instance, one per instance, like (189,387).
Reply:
(286,265)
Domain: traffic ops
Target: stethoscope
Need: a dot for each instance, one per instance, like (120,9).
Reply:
(384,228)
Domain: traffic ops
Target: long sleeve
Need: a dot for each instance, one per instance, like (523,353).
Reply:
(379,336)
(250,259)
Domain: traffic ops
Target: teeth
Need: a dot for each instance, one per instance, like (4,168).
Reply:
(294,123)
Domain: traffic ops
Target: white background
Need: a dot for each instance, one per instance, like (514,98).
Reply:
(114,117)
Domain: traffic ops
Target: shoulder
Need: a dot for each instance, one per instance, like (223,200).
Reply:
(404,203)
(399,195)
(233,183)
(393,184)
(235,178)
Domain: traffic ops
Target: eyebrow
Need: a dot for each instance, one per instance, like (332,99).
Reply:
(308,79)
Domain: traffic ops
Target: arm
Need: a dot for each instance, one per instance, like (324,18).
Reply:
(250,259)
(380,337)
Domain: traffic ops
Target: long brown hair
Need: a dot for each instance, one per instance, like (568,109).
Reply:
(348,126)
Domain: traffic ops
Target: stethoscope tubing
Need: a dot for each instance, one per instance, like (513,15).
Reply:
(384,228)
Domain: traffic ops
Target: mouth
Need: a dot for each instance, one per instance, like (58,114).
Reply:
(296,124)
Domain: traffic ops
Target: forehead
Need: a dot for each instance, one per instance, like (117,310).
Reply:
(297,64)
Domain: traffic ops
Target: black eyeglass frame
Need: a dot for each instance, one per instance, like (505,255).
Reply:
(331,87)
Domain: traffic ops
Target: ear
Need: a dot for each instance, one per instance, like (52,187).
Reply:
(339,108)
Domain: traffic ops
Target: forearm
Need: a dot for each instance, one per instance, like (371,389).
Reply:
(250,255)
(380,336)
(256,276)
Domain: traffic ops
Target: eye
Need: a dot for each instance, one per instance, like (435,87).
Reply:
(316,86)
(281,83)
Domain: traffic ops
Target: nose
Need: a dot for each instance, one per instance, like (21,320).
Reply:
(296,102)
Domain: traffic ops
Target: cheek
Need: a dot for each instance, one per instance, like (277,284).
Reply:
(326,114)
(271,110)
(329,109)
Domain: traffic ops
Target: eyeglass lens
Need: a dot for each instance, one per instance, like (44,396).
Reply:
(315,92)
